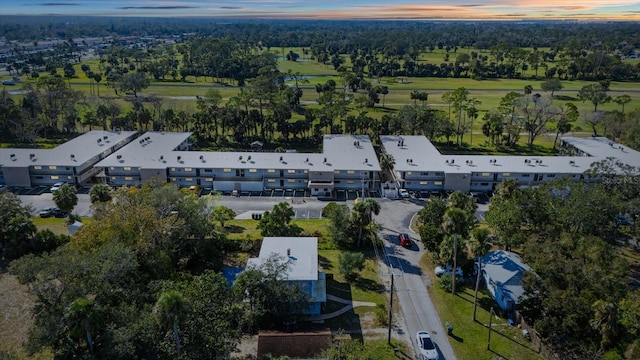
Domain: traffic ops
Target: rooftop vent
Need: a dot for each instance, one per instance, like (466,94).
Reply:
(202,157)
(119,157)
(281,158)
(73,156)
(307,160)
(249,158)
(571,162)
(161,157)
(12,156)
(538,161)
(289,252)
(179,158)
(526,161)
(325,160)
(99,141)
(31,156)
(105,137)
(366,160)
(240,158)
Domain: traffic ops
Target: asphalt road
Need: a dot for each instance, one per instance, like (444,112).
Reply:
(410,282)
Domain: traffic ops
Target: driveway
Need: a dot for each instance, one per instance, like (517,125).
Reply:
(410,282)
(45,200)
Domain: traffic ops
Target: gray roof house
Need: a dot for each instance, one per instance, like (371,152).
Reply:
(503,272)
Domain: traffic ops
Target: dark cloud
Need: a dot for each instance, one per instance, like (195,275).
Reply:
(470,5)
(513,15)
(156,7)
(230,7)
(58,4)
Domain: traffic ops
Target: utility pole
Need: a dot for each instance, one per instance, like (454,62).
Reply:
(390,308)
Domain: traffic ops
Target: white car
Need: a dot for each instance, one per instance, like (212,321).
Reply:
(56,186)
(441,270)
(427,347)
(403,193)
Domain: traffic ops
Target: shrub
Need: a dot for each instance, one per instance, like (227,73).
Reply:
(446,282)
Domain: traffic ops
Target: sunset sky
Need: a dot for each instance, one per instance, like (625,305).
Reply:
(338,9)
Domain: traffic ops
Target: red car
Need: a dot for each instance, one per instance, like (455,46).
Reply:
(405,240)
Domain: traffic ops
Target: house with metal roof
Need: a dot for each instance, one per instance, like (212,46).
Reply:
(419,166)
(301,256)
(72,162)
(347,162)
(503,272)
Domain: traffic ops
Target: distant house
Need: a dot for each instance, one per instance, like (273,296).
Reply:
(503,272)
(302,254)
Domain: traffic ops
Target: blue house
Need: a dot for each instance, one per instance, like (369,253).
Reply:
(503,272)
(302,255)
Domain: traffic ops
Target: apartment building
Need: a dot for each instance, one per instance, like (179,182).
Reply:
(419,166)
(348,162)
(72,162)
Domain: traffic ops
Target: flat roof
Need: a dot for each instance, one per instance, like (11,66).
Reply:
(74,152)
(302,252)
(156,150)
(417,153)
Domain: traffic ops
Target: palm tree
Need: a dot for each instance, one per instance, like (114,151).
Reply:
(605,320)
(169,310)
(454,223)
(361,216)
(100,193)
(66,197)
(479,246)
(387,163)
(81,312)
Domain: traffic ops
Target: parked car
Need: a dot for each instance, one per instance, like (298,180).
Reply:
(47,212)
(427,347)
(57,186)
(441,270)
(194,189)
(405,240)
(403,193)
(59,213)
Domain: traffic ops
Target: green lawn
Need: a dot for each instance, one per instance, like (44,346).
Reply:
(56,225)
(470,337)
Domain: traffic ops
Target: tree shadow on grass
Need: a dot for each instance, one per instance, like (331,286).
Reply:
(368,285)
(234,229)
(500,356)
(456,338)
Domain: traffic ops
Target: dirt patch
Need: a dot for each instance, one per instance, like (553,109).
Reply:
(16,319)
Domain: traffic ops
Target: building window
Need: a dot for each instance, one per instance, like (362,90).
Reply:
(37,167)
(525,175)
(437,183)
(291,171)
(39,177)
(173,179)
(486,174)
(336,171)
(291,180)
(350,172)
(52,167)
(349,181)
(207,170)
(440,173)
(271,180)
(173,169)
(128,178)
(188,179)
(484,184)
(113,178)
(551,175)
(187,169)
(253,170)
(126,168)
(305,171)
(112,168)
(424,173)
(506,174)
(271,170)
(408,173)
(227,170)
(54,177)
(208,179)
(424,183)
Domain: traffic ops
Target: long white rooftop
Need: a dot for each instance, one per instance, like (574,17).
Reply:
(417,153)
(74,152)
(155,150)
